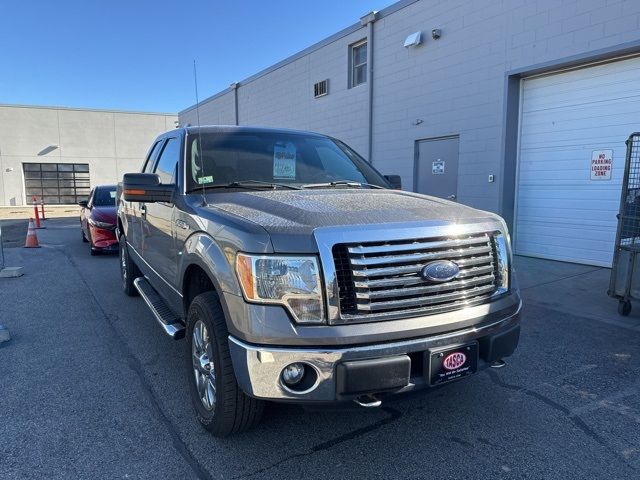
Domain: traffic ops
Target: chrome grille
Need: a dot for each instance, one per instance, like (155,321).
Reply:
(383,278)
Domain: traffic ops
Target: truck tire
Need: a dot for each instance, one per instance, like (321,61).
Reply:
(221,406)
(128,270)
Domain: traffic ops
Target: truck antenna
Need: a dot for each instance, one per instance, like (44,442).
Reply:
(200,152)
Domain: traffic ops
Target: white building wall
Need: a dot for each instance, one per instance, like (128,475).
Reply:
(454,85)
(112,143)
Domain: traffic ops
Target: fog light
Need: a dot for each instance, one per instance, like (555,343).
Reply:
(292,374)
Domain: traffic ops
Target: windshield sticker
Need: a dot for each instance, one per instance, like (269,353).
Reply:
(112,194)
(207,179)
(284,161)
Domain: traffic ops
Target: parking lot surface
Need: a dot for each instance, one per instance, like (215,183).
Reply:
(91,387)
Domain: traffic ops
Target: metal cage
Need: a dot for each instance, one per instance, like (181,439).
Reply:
(624,284)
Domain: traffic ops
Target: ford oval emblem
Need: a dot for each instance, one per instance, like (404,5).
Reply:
(440,271)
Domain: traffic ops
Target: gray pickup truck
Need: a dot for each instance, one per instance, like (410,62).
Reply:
(298,273)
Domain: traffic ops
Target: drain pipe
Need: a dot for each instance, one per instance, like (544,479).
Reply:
(234,87)
(368,20)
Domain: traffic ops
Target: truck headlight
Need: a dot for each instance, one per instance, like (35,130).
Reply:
(503,260)
(293,282)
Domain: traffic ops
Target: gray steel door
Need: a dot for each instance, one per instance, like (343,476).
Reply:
(436,168)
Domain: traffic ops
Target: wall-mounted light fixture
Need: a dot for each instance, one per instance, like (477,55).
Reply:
(413,40)
(46,150)
(436,33)
(9,169)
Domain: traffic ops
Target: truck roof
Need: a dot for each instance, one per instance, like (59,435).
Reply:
(243,129)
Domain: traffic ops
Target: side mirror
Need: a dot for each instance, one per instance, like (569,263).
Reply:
(146,187)
(83,203)
(395,181)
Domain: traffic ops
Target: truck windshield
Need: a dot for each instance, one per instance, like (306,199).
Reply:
(276,158)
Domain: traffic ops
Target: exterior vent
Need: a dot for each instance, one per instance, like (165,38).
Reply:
(321,88)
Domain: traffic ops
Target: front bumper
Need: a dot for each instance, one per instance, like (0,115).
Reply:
(258,368)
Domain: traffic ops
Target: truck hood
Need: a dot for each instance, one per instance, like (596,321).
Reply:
(291,216)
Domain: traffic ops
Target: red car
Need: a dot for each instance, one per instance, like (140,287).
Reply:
(98,219)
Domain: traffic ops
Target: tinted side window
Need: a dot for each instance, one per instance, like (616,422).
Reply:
(166,167)
(148,166)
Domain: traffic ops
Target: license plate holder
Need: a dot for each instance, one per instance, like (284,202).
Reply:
(447,364)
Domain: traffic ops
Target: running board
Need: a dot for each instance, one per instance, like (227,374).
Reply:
(171,325)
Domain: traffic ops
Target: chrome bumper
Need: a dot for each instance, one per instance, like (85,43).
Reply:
(258,368)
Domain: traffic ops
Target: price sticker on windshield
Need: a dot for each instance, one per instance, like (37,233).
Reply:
(284,161)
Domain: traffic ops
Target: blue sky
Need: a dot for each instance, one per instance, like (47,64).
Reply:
(138,55)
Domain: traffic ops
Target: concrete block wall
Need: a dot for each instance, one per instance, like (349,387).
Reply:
(454,85)
(112,143)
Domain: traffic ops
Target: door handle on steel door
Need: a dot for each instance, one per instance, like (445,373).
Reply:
(451,197)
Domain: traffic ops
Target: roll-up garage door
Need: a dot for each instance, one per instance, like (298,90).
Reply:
(571,163)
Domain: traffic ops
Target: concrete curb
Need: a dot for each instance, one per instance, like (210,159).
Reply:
(11,272)
(5,336)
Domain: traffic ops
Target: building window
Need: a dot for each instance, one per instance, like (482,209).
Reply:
(358,60)
(56,183)
(321,88)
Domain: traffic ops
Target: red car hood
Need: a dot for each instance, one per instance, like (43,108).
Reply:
(104,214)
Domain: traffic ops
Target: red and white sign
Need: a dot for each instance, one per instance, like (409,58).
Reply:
(601,164)
(454,360)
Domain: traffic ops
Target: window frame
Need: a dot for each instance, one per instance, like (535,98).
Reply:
(353,65)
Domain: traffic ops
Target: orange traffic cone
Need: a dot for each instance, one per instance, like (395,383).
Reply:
(32,238)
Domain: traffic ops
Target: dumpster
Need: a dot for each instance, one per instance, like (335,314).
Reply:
(624,284)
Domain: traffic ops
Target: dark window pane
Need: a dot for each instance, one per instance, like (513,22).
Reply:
(65,174)
(31,167)
(51,191)
(65,167)
(33,191)
(49,167)
(81,167)
(68,199)
(66,183)
(50,183)
(52,200)
(360,54)
(49,174)
(32,184)
(166,167)
(360,75)
(67,191)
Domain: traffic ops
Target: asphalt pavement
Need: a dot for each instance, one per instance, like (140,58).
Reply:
(90,387)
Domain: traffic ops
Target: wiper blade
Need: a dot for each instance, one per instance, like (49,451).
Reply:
(246,184)
(337,183)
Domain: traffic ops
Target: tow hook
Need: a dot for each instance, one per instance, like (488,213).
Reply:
(499,364)
(368,401)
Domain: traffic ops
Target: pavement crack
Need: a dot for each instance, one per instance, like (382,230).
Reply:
(393,416)
(561,279)
(136,366)
(571,416)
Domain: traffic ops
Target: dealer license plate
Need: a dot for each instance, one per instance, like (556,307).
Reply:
(451,363)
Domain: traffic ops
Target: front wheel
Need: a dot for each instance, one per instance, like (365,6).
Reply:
(221,406)
(128,270)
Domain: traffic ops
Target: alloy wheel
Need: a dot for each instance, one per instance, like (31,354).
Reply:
(203,367)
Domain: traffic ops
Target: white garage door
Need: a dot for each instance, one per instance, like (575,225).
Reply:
(562,213)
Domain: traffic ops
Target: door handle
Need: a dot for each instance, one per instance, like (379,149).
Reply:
(143,210)
(451,197)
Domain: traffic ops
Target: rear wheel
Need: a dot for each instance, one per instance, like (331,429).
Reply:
(221,405)
(128,270)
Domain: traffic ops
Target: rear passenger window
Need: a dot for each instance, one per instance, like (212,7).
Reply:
(167,163)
